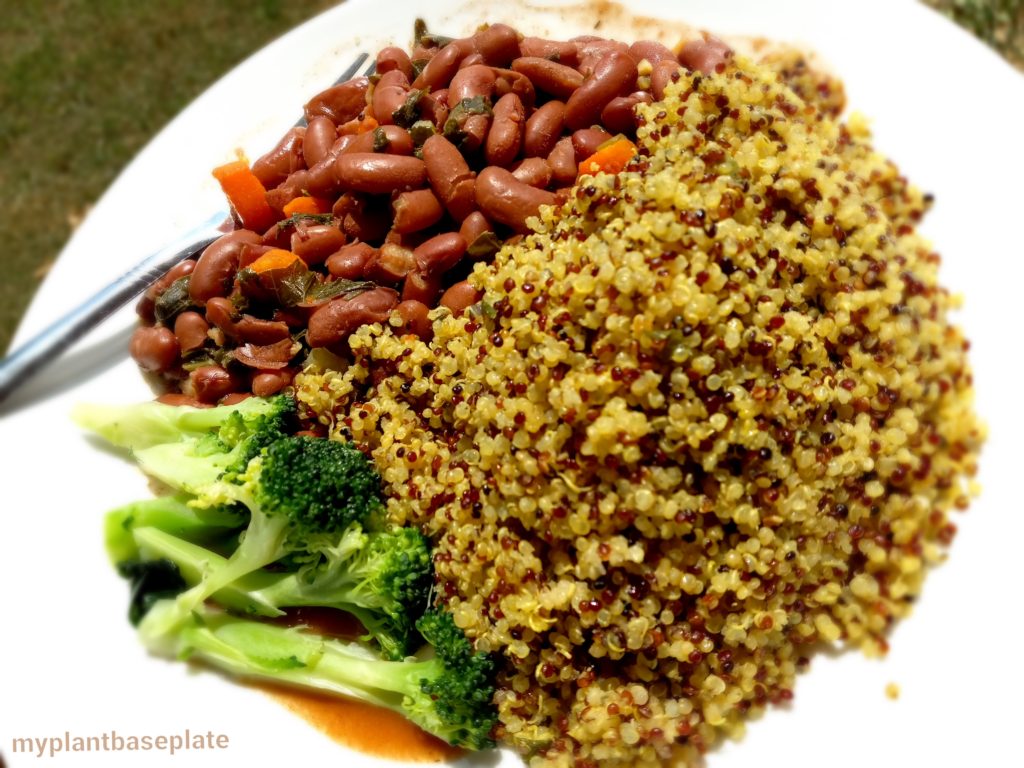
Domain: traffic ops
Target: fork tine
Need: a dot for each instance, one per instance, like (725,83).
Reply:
(349,73)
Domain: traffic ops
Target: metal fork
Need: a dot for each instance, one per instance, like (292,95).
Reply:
(44,348)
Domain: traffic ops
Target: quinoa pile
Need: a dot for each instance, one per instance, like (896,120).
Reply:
(710,418)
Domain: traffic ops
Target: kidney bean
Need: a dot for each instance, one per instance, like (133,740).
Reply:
(414,319)
(212,382)
(614,75)
(562,161)
(664,72)
(549,76)
(473,226)
(294,186)
(249,252)
(274,356)
(505,199)
(285,158)
(619,116)
(388,99)
(585,141)
(321,180)
(190,328)
(440,253)
(335,320)
(534,171)
(320,136)
(314,243)
(471,60)
(221,313)
(476,80)
(497,43)
(177,399)
(416,210)
(349,261)
(563,52)
(434,107)
(339,103)
(449,176)
(460,297)
(215,269)
(707,55)
(379,174)
(592,50)
(154,349)
(267,383)
(391,140)
(651,50)
(255,330)
(389,264)
(543,129)
(394,58)
(178,271)
(362,218)
(440,69)
(510,81)
(421,287)
(505,138)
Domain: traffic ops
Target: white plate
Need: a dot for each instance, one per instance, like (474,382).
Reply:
(946,108)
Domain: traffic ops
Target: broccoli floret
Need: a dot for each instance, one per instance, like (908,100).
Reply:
(382,578)
(189,448)
(302,494)
(449,694)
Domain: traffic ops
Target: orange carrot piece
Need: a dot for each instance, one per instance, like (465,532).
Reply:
(358,125)
(611,157)
(307,204)
(278,258)
(246,194)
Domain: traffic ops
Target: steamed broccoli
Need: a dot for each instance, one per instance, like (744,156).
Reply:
(302,494)
(188,448)
(449,694)
(382,578)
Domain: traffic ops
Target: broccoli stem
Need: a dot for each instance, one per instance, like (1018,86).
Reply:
(168,513)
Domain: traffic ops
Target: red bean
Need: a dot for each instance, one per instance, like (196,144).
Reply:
(585,141)
(267,383)
(440,253)
(664,72)
(562,161)
(340,103)
(362,217)
(510,81)
(380,174)
(334,321)
(388,99)
(707,55)
(498,44)
(563,52)
(470,82)
(534,171)
(215,269)
(220,312)
(320,136)
(255,330)
(440,69)
(449,176)
(416,210)
(473,226)
(177,399)
(505,138)
(388,139)
(313,244)
(390,264)
(593,50)
(505,199)
(154,349)
(421,287)
(460,297)
(543,129)
(349,261)
(294,186)
(651,50)
(284,159)
(178,271)
(549,76)
(394,58)
(415,319)
(213,382)
(619,116)
(190,328)
(614,75)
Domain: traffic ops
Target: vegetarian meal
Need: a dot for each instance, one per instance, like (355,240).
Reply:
(597,385)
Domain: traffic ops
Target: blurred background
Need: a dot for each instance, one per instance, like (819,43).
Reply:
(106,75)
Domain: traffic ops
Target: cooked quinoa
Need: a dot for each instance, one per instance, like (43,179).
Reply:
(709,419)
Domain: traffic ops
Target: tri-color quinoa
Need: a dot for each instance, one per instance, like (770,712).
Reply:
(711,418)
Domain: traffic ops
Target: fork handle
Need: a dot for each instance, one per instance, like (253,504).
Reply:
(47,345)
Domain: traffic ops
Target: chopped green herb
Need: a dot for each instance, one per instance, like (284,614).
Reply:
(407,114)
(173,301)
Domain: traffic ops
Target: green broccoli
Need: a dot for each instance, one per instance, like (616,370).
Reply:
(383,578)
(449,694)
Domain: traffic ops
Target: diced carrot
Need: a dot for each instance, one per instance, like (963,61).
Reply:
(358,125)
(307,204)
(276,259)
(611,157)
(246,194)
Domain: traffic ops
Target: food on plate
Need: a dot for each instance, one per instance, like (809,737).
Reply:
(642,346)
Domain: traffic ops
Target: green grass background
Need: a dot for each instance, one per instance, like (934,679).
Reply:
(84,84)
